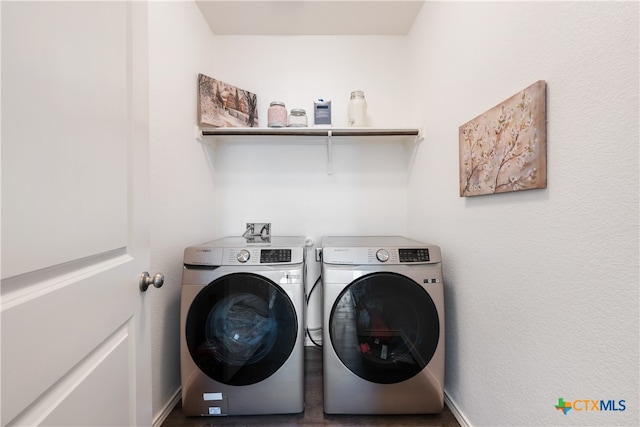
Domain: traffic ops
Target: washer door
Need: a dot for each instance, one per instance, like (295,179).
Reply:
(384,327)
(241,329)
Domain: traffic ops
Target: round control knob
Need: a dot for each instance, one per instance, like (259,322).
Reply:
(243,255)
(382,255)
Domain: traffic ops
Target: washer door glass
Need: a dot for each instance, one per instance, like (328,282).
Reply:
(241,328)
(384,327)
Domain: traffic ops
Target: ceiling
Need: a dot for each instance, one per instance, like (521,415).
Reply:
(310,17)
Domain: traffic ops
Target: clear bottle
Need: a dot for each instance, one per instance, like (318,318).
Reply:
(277,115)
(357,110)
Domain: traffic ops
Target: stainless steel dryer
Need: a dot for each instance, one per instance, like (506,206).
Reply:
(242,327)
(383,338)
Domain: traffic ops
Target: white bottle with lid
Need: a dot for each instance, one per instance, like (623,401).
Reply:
(357,110)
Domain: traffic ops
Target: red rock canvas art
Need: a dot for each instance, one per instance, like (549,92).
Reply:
(223,105)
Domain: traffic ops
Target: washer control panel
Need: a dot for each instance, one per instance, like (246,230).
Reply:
(237,251)
(262,256)
(270,256)
(205,256)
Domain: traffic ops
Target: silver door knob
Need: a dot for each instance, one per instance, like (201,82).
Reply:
(146,280)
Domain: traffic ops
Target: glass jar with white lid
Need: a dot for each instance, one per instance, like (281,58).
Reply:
(297,118)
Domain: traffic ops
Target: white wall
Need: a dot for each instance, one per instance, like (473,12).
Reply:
(184,207)
(542,285)
(285,182)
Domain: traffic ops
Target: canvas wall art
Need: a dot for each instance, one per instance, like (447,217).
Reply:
(223,105)
(505,148)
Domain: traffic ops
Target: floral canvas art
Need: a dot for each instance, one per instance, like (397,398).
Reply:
(223,105)
(504,149)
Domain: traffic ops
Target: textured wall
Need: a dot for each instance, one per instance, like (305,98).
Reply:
(542,285)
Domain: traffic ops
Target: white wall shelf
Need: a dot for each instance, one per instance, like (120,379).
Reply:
(410,137)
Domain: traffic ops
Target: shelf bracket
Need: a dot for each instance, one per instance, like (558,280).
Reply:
(414,149)
(329,154)
(420,135)
(198,134)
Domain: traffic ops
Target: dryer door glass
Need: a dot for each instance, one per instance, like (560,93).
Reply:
(241,328)
(384,327)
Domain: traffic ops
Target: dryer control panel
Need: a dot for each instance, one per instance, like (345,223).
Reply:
(378,250)
(381,255)
(414,255)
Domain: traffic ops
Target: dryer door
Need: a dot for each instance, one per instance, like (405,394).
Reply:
(384,327)
(241,328)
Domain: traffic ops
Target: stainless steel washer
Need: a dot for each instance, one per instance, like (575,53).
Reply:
(242,327)
(383,338)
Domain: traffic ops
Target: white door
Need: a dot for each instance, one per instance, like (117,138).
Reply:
(75,332)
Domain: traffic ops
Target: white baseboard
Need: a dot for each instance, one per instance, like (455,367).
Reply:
(159,419)
(455,410)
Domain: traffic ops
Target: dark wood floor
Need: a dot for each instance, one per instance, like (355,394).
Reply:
(313,414)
